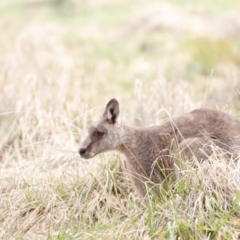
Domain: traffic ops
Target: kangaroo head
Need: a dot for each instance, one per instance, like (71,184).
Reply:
(105,134)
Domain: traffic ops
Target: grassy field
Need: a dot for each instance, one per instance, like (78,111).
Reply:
(60,62)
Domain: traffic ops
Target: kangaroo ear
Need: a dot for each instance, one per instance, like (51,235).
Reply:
(112,111)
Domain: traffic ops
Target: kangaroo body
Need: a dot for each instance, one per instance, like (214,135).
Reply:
(150,151)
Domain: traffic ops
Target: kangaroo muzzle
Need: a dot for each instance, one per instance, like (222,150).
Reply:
(82,151)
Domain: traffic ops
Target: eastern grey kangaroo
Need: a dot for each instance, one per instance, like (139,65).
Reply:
(150,151)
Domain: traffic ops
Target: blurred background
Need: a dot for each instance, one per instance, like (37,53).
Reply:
(62,60)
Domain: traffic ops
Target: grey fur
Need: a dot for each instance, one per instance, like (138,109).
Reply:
(150,151)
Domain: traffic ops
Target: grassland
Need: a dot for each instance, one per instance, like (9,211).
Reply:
(60,62)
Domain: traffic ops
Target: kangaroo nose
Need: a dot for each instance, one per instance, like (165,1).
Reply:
(82,151)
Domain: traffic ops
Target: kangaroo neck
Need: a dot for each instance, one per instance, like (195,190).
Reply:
(140,143)
(129,136)
(135,141)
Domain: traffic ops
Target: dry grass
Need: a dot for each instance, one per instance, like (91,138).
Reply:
(59,67)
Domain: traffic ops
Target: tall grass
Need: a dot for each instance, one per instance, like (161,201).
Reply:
(57,72)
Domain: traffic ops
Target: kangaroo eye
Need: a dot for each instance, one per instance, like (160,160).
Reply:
(99,134)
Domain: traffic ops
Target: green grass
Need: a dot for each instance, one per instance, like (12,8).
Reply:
(208,54)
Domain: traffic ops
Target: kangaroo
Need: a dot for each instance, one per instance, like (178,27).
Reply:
(150,151)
